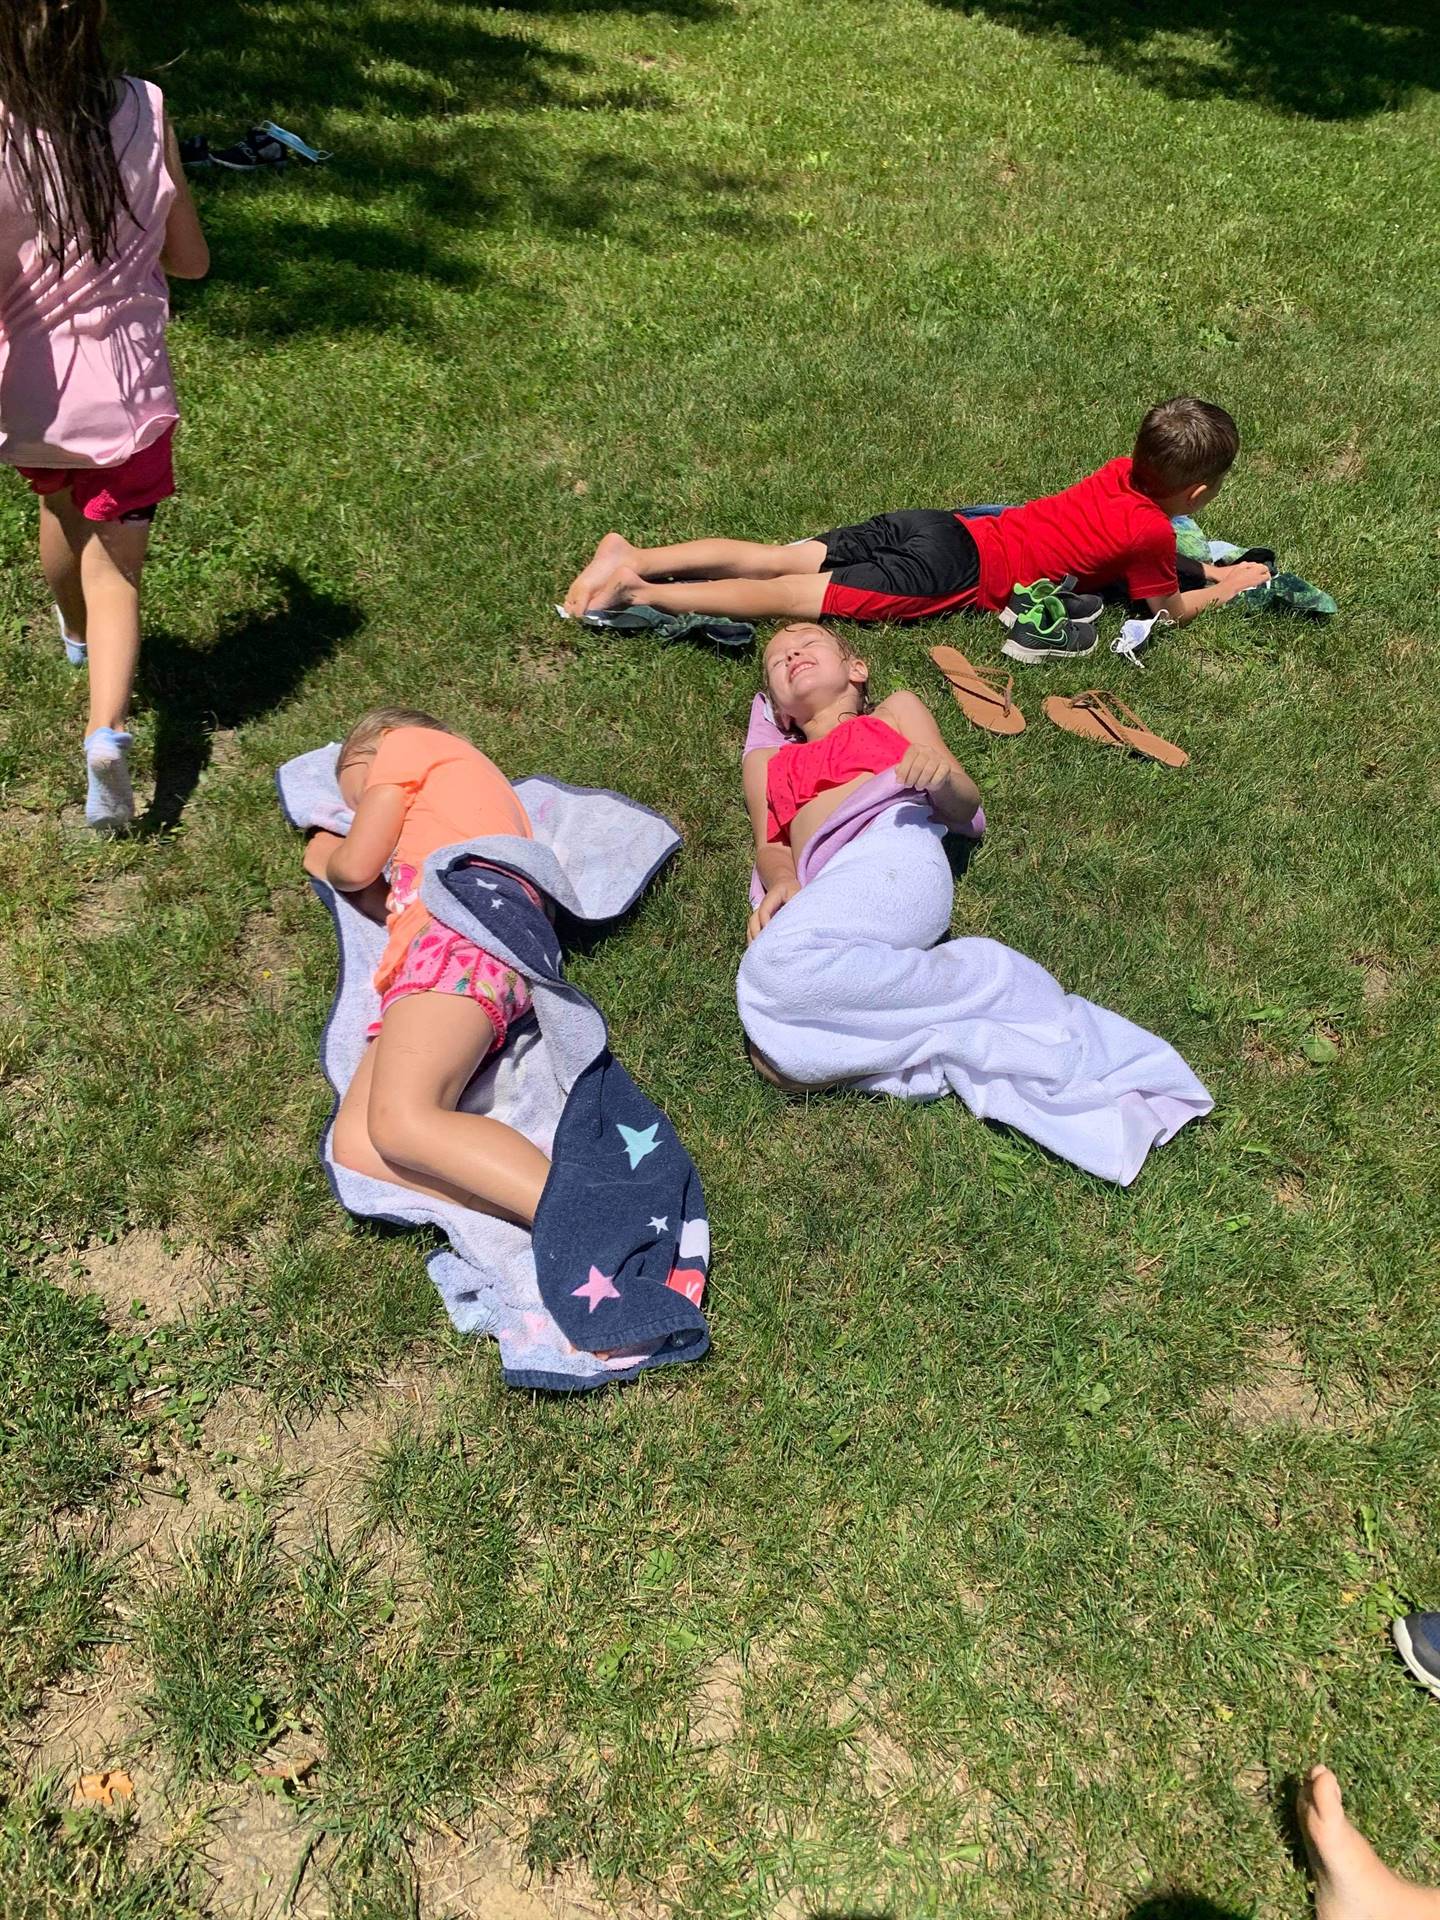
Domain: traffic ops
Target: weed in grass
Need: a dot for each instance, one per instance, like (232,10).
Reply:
(204,1634)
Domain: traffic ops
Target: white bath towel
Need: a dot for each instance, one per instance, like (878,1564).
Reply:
(847,985)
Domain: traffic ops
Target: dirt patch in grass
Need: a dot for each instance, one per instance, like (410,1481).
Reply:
(109,906)
(310,1476)
(87,1723)
(544,660)
(1377,979)
(1258,1051)
(266,952)
(170,1279)
(1347,462)
(717,1707)
(251,1851)
(1279,1393)
(888,1767)
(475,1873)
(1289,1192)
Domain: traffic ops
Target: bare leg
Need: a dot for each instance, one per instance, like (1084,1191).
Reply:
(61,538)
(354,1148)
(777,1079)
(111,561)
(691,560)
(1351,1880)
(426,1053)
(793,596)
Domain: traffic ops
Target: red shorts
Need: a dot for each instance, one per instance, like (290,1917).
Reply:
(131,491)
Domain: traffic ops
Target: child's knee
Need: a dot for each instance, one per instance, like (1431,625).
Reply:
(350,1143)
(396,1123)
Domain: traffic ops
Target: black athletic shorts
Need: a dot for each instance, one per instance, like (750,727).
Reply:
(901,566)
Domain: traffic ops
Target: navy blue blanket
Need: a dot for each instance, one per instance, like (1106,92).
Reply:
(621,1240)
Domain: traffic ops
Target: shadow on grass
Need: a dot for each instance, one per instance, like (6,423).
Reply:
(1325,59)
(1183,1906)
(396,90)
(255,664)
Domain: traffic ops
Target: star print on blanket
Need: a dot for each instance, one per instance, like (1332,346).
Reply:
(612,1274)
(610,1269)
(645,1237)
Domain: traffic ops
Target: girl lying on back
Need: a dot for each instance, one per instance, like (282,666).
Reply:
(818,690)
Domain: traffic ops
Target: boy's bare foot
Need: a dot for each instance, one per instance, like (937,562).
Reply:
(613,551)
(1352,1882)
(623,588)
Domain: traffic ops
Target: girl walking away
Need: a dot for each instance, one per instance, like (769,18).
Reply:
(94,212)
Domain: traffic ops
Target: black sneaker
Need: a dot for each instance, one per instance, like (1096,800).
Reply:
(1048,620)
(256,150)
(1417,1641)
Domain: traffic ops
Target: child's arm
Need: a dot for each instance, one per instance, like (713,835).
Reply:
(354,863)
(774,862)
(1183,607)
(930,765)
(186,253)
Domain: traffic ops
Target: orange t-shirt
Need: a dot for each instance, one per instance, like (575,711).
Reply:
(453,792)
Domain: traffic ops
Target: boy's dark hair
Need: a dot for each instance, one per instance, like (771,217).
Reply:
(370,729)
(1183,442)
(59,94)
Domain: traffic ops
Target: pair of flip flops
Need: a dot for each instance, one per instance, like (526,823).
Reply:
(986,696)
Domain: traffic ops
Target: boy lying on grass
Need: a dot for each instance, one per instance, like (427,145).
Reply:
(1112,528)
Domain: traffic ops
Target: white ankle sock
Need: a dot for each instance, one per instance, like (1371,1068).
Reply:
(76,651)
(109,799)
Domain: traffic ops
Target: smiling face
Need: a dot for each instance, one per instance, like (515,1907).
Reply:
(807,669)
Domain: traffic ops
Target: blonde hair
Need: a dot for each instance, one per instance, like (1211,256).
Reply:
(368,731)
(846,651)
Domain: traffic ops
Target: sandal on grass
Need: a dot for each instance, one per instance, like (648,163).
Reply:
(983,694)
(1101,716)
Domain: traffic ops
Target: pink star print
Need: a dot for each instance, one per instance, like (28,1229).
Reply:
(600,1286)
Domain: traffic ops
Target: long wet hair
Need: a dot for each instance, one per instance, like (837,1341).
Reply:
(59,94)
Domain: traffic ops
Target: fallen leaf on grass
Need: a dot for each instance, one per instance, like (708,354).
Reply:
(103,1789)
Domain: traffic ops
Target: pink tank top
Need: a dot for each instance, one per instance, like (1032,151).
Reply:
(807,767)
(84,375)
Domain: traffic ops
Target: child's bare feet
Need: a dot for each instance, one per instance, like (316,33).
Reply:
(1352,1882)
(623,588)
(613,551)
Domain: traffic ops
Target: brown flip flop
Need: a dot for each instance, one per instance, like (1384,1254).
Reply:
(1097,716)
(984,694)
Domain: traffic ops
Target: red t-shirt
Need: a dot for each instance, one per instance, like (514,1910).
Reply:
(1102,529)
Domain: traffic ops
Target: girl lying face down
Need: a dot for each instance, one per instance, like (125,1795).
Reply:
(819,692)
(446,1004)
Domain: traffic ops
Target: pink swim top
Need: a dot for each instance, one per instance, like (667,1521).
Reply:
(807,767)
(84,375)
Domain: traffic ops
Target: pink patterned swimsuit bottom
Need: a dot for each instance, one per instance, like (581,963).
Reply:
(438,960)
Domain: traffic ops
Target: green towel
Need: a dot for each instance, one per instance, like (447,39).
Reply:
(1290,594)
(1190,541)
(672,626)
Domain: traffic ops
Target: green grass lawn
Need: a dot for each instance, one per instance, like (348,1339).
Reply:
(1021,1538)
